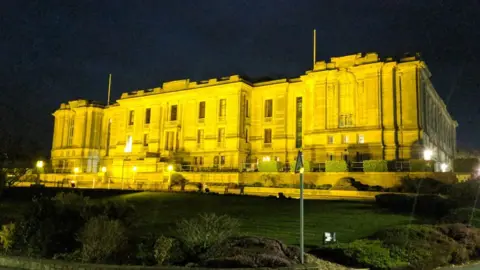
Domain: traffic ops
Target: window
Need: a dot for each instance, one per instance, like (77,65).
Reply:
(147,115)
(345,121)
(268,108)
(246,135)
(173,113)
(128,144)
(298,127)
(195,160)
(267,136)
(222,160)
(70,132)
(131,118)
(221,135)
(169,139)
(246,108)
(361,139)
(200,136)
(223,108)
(330,140)
(215,160)
(345,139)
(200,160)
(145,139)
(201,110)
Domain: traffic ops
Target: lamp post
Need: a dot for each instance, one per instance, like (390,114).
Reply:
(134,169)
(75,171)
(169,169)
(39,166)
(104,170)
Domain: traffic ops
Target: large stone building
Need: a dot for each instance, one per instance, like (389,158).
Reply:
(354,107)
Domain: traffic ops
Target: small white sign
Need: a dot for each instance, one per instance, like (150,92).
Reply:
(329,237)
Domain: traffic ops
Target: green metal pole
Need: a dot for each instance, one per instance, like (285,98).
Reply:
(301,213)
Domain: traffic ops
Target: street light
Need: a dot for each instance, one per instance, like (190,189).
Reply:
(427,154)
(169,169)
(39,166)
(75,171)
(104,170)
(444,167)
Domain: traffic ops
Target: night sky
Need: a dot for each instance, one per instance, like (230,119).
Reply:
(55,51)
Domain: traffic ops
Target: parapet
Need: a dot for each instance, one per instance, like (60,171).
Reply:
(361,59)
(81,103)
(179,85)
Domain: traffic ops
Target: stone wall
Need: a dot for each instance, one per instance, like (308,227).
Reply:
(158,180)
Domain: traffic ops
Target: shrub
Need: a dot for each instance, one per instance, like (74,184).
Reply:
(336,166)
(421,185)
(467,215)
(424,246)
(200,233)
(7,236)
(101,239)
(269,166)
(324,187)
(257,184)
(70,200)
(361,253)
(465,165)
(116,210)
(270,180)
(420,165)
(45,230)
(465,193)
(375,166)
(162,248)
(425,205)
(177,179)
(348,183)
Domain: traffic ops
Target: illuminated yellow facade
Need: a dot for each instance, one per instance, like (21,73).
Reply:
(354,107)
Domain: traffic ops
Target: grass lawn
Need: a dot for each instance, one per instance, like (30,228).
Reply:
(157,212)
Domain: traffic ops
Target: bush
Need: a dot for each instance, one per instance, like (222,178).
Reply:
(177,179)
(361,253)
(7,236)
(465,193)
(269,166)
(101,239)
(465,165)
(45,230)
(324,187)
(425,205)
(420,165)
(375,166)
(70,200)
(421,185)
(348,183)
(467,215)
(200,233)
(116,210)
(425,246)
(162,248)
(336,166)
(270,180)
(257,184)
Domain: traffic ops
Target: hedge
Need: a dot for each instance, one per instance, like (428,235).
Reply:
(420,165)
(336,166)
(269,166)
(375,166)
(465,165)
(426,205)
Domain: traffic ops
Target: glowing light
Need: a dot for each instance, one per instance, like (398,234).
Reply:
(302,170)
(39,164)
(76,170)
(443,167)
(266,158)
(104,169)
(134,168)
(427,154)
(170,168)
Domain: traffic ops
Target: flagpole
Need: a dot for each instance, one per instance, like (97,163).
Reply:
(314,47)
(109,88)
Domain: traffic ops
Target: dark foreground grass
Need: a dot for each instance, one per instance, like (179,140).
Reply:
(158,212)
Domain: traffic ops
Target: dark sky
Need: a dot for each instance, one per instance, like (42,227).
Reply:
(55,51)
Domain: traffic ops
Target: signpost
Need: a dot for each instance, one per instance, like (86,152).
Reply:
(299,169)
